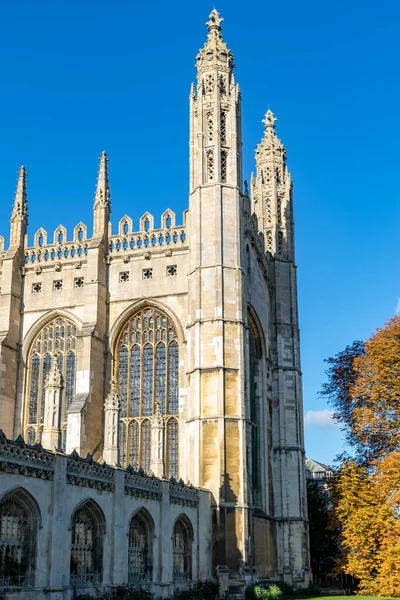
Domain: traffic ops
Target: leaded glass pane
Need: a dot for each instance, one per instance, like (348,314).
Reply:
(147,368)
(146,445)
(161,372)
(135,381)
(70,379)
(122,442)
(123,379)
(148,380)
(172,448)
(46,369)
(34,392)
(134,444)
(64,333)
(173,378)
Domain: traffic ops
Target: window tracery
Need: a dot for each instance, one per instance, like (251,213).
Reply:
(60,336)
(223,127)
(147,369)
(224,161)
(14,543)
(86,547)
(140,564)
(210,126)
(210,165)
(182,550)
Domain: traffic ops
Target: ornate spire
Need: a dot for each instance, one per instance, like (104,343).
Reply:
(269,120)
(102,197)
(19,215)
(215,50)
(270,147)
(20,209)
(53,378)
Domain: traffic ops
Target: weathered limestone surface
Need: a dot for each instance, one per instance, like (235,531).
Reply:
(226,279)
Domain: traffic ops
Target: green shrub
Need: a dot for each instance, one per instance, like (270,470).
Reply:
(274,592)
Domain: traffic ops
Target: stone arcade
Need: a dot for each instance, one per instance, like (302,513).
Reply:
(173,355)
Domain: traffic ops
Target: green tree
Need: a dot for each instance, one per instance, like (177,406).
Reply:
(324,538)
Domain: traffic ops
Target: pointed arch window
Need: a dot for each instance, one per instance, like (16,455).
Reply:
(182,541)
(18,525)
(58,335)
(86,545)
(140,558)
(255,394)
(147,369)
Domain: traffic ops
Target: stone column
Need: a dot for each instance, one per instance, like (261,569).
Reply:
(157,442)
(52,407)
(111,429)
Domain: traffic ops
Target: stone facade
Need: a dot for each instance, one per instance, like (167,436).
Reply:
(175,347)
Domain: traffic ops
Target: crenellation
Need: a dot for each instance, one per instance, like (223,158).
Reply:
(172,348)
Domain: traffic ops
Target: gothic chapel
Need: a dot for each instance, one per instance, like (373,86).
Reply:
(150,383)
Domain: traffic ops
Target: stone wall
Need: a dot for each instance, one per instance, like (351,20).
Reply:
(52,486)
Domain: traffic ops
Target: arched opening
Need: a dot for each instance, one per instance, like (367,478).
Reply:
(58,336)
(182,543)
(147,373)
(87,531)
(255,396)
(19,515)
(140,557)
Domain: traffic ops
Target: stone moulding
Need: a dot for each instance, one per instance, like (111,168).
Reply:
(140,485)
(184,495)
(87,473)
(23,459)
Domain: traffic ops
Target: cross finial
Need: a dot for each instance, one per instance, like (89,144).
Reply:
(215,20)
(269,120)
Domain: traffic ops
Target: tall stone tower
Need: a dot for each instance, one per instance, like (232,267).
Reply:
(244,402)
(215,320)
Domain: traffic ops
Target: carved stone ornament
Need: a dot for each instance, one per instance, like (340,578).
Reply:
(23,271)
(126,259)
(78,264)
(112,401)
(38,270)
(147,255)
(57,266)
(168,253)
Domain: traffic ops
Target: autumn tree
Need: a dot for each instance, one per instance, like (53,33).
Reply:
(364,389)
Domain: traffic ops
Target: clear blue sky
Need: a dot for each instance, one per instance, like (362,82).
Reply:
(80,76)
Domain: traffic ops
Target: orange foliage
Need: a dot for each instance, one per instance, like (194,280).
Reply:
(366,497)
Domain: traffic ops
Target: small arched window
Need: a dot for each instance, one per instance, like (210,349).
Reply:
(60,336)
(87,545)
(182,542)
(140,558)
(147,370)
(255,393)
(18,526)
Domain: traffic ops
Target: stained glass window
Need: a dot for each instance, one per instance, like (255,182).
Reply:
(147,369)
(146,445)
(182,550)
(172,448)
(59,335)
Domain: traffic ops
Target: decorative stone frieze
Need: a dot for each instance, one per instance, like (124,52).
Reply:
(87,473)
